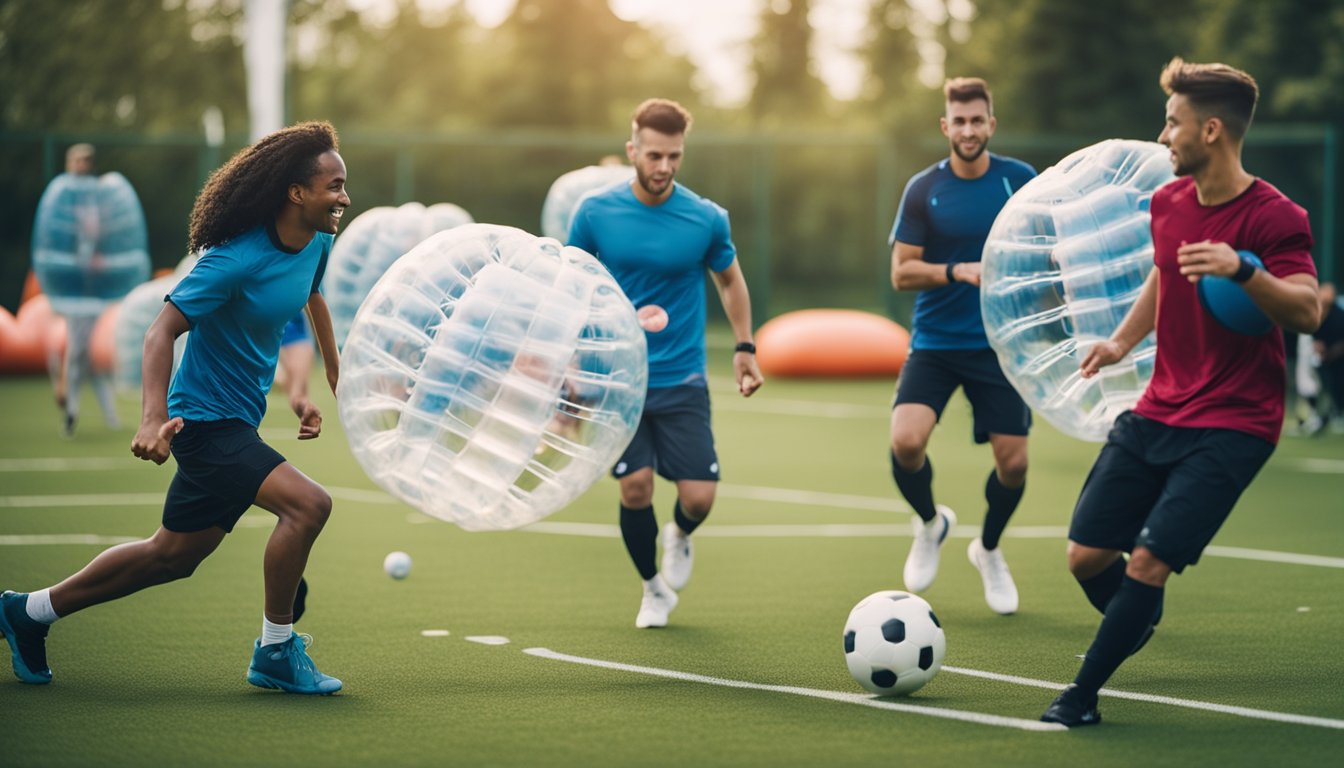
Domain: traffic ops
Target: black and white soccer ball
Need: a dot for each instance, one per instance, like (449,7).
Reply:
(893,643)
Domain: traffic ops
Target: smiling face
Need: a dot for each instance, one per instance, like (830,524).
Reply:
(323,199)
(1183,134)
(968,127)
(656,158)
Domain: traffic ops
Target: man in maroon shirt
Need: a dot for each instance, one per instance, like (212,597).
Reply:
(1173,468)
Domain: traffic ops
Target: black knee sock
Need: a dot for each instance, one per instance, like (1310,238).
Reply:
(639,529)
(686,524)
(916,487)
(1002,503)
(1127,618)
(1102,587)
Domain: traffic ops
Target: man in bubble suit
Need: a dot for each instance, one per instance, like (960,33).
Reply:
(1174,466)
(264,225)
(945,215)
(657,238)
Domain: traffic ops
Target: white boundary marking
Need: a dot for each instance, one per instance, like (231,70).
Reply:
(1226,709)
(70,464)
(62,538)
(84,500)
(978,718)
(488,639)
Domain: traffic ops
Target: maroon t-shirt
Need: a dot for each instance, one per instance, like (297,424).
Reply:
(1205,375)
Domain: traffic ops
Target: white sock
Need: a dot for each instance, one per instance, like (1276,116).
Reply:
(274,633)
(39,607)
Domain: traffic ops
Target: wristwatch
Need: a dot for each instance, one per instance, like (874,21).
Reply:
(745,346)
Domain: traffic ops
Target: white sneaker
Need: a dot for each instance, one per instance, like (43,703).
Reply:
(678,556)
(1000,591)
(922,563)
(659,600)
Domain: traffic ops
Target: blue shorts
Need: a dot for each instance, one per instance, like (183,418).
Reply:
(930,376)
(220,467)
(1167,489)
(674,436)
(296,330)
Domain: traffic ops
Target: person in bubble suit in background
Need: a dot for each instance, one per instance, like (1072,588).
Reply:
(75,365)
(264,226)
(937,239)
(1173,467)
(657,238)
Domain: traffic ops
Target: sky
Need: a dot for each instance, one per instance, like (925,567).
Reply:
(716,35)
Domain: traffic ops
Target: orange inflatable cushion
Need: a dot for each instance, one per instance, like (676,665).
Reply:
(831,342)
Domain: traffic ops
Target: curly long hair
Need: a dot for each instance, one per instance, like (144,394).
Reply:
(252,186)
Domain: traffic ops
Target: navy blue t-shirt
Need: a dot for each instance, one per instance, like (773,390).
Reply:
(950,218)
(238,299)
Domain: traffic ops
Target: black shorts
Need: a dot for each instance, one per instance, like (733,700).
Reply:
(220,467)
(674,436)
(930,376)
(1167,489)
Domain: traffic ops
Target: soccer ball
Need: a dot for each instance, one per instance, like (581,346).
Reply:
(893,643)
(397,565)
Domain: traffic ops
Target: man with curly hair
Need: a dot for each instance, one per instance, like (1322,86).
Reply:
(263,226)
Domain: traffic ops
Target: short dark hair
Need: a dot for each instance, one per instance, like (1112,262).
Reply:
(964,89)
(1214,90)
(662,115)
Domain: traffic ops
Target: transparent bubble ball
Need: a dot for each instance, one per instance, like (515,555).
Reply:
(492,376)
(565,194)
(369,245)
(138,311)
(90,244)
(1063,263)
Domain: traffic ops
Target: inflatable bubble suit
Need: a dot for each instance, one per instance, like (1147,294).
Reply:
(564,196)
(492,376)
(138,311)
(1063,263)
(369,245)
(90,245)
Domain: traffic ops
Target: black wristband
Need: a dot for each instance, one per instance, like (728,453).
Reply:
(1245,271)
(745,346)
(951,278)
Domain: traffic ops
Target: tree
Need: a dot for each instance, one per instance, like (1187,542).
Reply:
(787,90)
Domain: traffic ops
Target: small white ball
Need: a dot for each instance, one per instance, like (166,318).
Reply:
(397,565)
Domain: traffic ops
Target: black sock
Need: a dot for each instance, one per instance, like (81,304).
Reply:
(1128,616)
(300,600)
(686,524)
(1002,503)
(639,529)
(916,487)
(1102,587)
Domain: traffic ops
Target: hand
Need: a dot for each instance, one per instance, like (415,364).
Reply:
(1207,258)
(310,418)
(152,440)
(748,374)
(967,272)
(1102,354)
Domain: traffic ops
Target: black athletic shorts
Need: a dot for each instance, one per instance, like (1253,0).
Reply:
(674,436)
(1167,489)
(930,376)
(220,467)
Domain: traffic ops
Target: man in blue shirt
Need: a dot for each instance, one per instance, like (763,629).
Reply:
(657,238)
(939,233)
(263,226)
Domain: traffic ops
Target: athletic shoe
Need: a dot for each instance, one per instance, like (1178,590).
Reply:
(678,556)
(921,566)
(659,600)
(288,667)
(1000,591)
(27,639)
(1073,708)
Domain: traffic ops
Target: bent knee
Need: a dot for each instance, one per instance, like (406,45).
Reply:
(1086,562)
(909,451)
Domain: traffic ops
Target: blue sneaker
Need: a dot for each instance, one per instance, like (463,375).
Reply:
(288,667)
(27,639)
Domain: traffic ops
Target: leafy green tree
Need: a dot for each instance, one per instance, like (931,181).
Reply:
(787,92)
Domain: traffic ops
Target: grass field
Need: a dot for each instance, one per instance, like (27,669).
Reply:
(1245,669)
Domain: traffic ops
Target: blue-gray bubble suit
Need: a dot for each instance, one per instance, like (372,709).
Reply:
(492,376)
(565,194)
(1063,263)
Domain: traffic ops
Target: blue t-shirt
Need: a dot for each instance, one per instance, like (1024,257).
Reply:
(950,218)
(658,255)
(238,299)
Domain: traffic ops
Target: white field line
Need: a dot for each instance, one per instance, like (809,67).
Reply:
(1207,706)
(1317,466)
(978,718)
(62,538)
(73,464)
(84,500)
(805,408)
(800,530)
